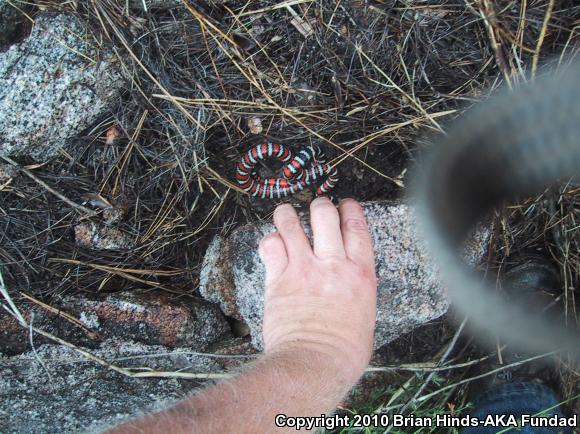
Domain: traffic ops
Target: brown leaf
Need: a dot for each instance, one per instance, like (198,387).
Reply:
(113,134)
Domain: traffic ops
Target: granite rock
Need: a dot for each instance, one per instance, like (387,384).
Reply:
(409,289)
(53,85)
(54,389)
(149,319)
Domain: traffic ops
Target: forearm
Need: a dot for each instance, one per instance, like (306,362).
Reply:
(319,314)
(296,383)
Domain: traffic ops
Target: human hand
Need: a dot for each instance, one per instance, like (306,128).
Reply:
(321,298)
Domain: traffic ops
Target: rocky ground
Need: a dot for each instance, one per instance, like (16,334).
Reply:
(56,389)
(127,254)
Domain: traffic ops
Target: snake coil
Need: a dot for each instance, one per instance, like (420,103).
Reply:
(512,145)
(300,170)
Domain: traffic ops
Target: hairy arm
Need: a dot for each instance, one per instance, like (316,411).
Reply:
(298,383)
(319,318)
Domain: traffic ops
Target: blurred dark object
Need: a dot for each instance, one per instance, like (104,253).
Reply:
(514,145)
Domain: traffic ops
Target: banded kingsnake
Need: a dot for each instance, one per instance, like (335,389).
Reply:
(300,170)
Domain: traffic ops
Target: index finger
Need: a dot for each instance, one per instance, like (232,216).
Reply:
(357,240)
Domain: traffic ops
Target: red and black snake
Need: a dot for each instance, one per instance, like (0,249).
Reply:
(300,170)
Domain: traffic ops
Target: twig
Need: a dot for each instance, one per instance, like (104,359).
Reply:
(495,44)
(280,5)
(36,355)
(11,306)
(425,367)
(129,372)
(92,334)
(547,17)
(81,209)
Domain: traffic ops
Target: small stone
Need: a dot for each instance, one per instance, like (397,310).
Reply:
(255,125)
(101,237)
(409,290)
(113,215)
(112,135)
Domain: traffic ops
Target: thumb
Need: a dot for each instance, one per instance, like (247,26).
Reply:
(273,254)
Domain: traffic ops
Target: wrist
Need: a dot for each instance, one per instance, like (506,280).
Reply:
(319,360)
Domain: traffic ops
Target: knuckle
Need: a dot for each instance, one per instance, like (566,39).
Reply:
(356,224)
(292,225)
(335,263)
(308,274)
(368,275)
(334,266)
(365,274)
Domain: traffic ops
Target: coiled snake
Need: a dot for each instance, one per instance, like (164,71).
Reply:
(300,170)
(512,145)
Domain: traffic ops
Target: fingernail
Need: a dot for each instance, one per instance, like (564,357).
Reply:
(321,199)
(283,206)
(281,209)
